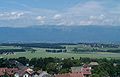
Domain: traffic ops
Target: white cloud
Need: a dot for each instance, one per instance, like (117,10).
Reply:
(92,13)
(88,8)
(41,19)
(85,22)
(88,13)
(11,15)
(57,16)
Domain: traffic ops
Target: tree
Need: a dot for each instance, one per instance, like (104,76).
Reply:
(52,68)
(23,60)
(67,63)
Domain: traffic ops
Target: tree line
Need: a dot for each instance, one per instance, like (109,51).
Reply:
(36,45)
(56,50)
(77,50)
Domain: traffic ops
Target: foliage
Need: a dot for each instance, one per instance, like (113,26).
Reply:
(105,68)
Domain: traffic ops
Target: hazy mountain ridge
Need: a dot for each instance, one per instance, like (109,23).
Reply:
(61,34)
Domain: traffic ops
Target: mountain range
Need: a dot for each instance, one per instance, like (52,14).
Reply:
(61,34)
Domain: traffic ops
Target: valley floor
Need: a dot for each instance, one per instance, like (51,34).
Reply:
(41,53)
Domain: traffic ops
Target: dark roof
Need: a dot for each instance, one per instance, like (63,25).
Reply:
(18,64)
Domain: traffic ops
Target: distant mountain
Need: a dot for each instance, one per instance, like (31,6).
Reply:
(61,34)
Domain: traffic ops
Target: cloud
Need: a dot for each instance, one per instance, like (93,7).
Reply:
(86,8)
(57,16)
(11,15)
(91,12)
(41,19)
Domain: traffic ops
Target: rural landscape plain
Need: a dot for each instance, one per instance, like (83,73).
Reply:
(59,38)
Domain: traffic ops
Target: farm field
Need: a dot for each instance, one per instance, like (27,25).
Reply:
(41,53)
(82,47)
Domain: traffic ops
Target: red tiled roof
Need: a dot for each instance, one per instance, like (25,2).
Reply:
(12,71)
(2,71)
(63,75)
(79,74)
(86,70)
(9,71)
(76,74)
(25,70)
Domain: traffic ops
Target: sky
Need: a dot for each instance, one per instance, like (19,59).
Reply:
(27,13)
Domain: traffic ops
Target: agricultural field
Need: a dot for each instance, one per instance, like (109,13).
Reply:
(9,47)
(87,47)
(41,52)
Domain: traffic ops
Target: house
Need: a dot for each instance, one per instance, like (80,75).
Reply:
(76,69)
(94,64)
(2,71)
(73,74)
(8,71)
(85,70)
(21,71)
(24,72)
(41,74)
(27,72)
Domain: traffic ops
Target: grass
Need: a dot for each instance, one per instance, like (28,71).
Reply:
(41,53)
(9,47)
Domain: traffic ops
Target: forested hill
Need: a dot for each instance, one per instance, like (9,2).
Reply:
(61,34)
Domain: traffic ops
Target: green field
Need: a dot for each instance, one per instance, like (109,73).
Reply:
(41,53)
(9,47)
(82,47)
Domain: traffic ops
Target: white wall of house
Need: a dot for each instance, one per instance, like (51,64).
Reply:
(26,75)
(16,75)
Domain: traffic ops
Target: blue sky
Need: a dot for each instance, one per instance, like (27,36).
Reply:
(25,13)
(46,4)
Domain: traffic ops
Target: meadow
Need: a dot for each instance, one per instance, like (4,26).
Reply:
(40,52)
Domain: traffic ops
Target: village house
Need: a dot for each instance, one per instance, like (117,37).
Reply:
(83,71)
(75,74)
(41,74)
(21,71)
(25,72)
(93,64)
